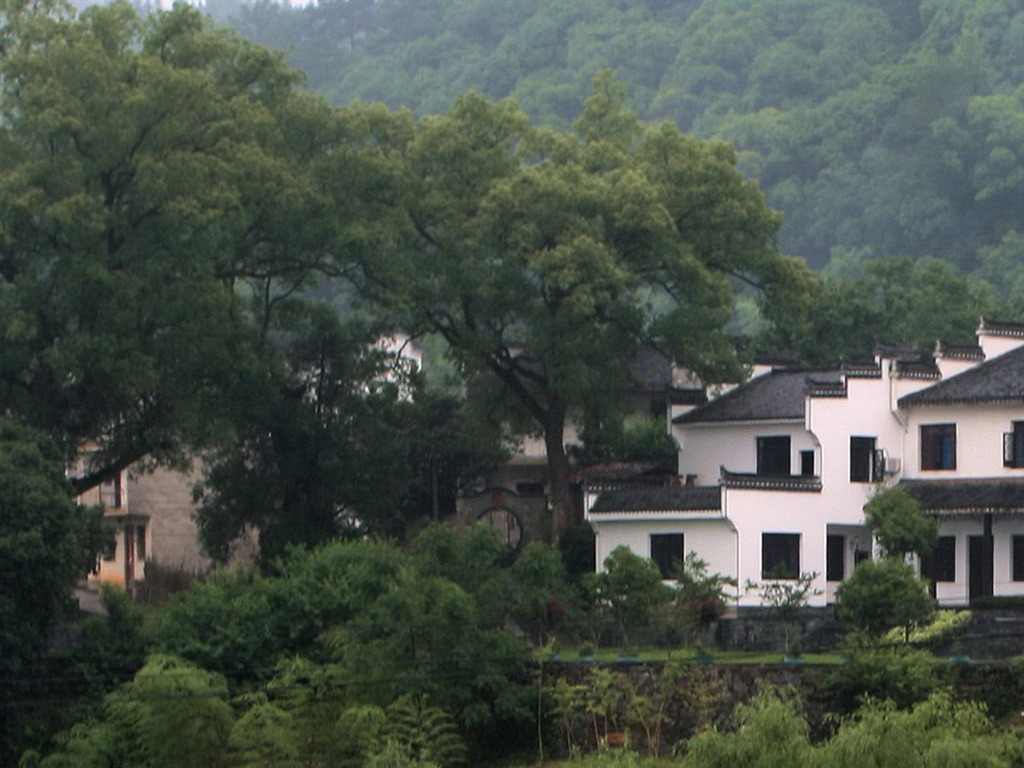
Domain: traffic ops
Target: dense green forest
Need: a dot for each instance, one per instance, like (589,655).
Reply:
(878,127)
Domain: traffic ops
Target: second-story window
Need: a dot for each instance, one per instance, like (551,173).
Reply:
(862,459)
(773,456)
(110,492)
(938,446)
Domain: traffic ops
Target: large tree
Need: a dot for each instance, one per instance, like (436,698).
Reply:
(546,259)
(155,172)
(46,543)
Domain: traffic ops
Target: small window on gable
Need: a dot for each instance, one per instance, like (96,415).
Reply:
(940,565)
(1013,446)
(773,456)
(667,552)
(807,463)
(780,555)
(938,446)
(862,459)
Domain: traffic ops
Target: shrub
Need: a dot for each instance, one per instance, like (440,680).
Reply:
(905,678)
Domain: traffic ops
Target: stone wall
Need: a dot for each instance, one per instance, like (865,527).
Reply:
(708,694)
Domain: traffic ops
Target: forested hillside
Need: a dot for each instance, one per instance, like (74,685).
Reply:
(878,127)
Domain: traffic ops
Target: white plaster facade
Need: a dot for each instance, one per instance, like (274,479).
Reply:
(823,423)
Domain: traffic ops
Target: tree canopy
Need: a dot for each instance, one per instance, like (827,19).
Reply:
(546,259)
(154,170)
(892,128)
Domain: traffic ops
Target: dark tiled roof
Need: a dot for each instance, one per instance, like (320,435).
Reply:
(1000,328)
(777,395)
(675,498)
(960,351)
(917,369)
(687,396)
(770,482)
(967,496)
(998,379)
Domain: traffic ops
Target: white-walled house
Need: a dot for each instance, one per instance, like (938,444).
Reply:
(775,473)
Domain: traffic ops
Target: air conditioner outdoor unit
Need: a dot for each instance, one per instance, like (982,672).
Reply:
(886,464)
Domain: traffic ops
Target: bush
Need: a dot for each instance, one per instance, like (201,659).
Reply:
(905,678)
(880,596)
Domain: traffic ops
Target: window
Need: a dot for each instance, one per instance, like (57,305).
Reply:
(940,565)
(862,459)
(1018,558)
(938,446)
(807,463)
(773,456)
(780,555)
(667,552)
(835,558)
(1013,446)
(110,492)
(140,542)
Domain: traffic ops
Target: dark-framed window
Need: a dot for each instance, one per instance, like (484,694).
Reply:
(862,459)
(938,446)
(110,492)
(1018,558)
(1013,446)
(835,557)
(667,552)
(780,555)
(940,565)
(773,456)
(807,463)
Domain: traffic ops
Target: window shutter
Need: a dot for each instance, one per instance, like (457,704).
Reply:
(1008,445)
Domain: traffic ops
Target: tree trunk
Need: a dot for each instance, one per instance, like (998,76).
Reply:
(559,487)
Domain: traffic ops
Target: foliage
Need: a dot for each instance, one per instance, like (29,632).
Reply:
(156,168)
(770,731)
(555,255)
(320,451)
(701,597)
(540,591)
(213,624)
(944,623)
(628,588)
(896,522)
(883,595)
(47,542)
(901,676)
(936,731)
(264,735)
(427,732)
(146,721)
(114,645)
(879,128)
(786,596)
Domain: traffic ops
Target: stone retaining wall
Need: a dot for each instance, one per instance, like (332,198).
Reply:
(708,694)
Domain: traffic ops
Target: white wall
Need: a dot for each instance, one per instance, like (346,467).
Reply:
(979,440)
(714,540)
(705,449)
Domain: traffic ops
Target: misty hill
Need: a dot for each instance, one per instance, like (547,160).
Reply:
(880,127)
